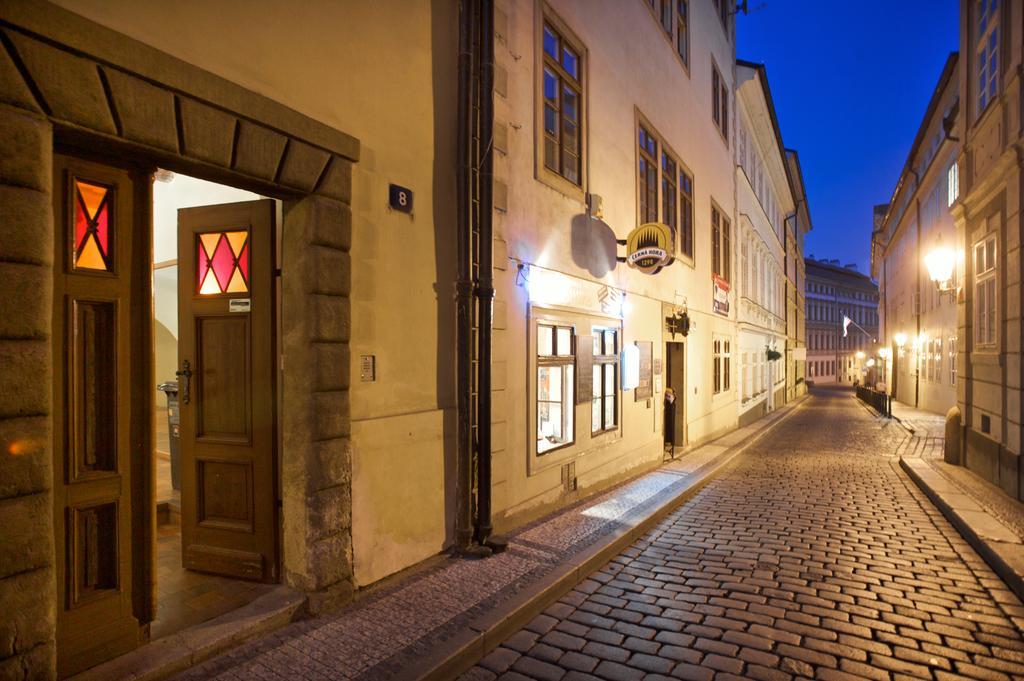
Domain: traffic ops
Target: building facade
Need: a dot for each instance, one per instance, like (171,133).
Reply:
(797,227)
(988,226)
(838,352)
(187,199)
(764,200)
(918,322)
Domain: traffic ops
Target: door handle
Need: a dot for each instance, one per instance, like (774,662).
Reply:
(186,374)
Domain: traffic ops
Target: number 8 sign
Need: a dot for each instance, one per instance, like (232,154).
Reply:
(400,198)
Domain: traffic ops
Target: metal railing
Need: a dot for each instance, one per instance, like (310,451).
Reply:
(876,398)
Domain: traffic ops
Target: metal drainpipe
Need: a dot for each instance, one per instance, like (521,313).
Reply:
(485,286)
(920,297)
(464,285)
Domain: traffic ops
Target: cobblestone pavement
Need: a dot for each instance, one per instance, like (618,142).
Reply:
(812,555)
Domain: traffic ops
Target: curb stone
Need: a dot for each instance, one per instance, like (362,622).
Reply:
(1001,548)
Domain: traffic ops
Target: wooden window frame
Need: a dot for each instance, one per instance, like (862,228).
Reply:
(683,202)
(983,279)
(721,243)
(719,102)
(601,361)
(721,357)
(555,179)
(569,388)
(680,26)
(985,51)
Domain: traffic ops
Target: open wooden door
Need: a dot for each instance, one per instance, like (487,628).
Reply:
(227,366)
(92,405)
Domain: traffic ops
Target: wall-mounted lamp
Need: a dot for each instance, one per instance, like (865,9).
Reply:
(941,264)
(901,339)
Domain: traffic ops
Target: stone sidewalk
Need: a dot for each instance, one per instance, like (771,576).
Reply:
(810,556)
(989,519)
(448,614)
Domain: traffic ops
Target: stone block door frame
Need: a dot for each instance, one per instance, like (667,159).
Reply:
(70,84)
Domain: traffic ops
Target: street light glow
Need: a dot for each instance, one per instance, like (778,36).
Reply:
(900,338)
(859,355)
(940,263)
(871,363)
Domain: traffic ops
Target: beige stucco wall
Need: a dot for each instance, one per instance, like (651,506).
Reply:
(546,228)
(384,73)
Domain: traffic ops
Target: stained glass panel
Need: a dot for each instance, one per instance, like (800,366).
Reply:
(222,262)
(93,240)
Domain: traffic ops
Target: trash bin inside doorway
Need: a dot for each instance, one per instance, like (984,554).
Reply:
(170,388)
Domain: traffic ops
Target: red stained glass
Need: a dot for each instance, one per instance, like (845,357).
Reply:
(92,231)
(81,225)
(222,262)
(243,263)
(103,228)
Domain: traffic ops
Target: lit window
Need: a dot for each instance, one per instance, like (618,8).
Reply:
(556,386)
(604,400)
(93,228)
(953,177)
(722,359)
(222,262)
(985,292)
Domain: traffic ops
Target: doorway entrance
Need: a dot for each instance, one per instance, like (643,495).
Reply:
(675,372)
(200,454)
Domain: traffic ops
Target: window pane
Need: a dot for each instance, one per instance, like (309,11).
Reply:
(550,42)
(550,153)
(609,343)
(609,412)
(570,61)
(544,346)
(595,416)
(609,379)
(597,342)
(596,391)
(570,101)
(569,382)
(550,85)
(564,344)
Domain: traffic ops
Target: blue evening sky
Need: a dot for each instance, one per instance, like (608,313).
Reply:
(850,81)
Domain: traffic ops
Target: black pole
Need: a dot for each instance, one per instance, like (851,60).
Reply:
(485,287)
(464,288)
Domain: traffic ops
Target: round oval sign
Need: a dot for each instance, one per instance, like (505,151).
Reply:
(648,247)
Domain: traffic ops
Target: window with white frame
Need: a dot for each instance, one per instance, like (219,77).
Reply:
(556,386)
(953,183)
(722,358)
(952,360)
(987,51)
(604,399)
(985,292)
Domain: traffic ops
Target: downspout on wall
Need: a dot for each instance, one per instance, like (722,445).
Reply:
(464,283)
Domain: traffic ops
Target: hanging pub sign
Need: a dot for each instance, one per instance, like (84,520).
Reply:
(720,301)
(648,247)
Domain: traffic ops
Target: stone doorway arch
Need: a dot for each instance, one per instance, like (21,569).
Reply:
(70,83)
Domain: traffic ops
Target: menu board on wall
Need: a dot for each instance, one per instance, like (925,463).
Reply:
(645,388)
(584,369)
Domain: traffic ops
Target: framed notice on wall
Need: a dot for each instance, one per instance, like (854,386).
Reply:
(645,387)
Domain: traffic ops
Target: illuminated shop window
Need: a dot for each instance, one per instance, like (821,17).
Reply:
(556,386)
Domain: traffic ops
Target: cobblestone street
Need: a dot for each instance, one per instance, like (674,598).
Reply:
(812,555)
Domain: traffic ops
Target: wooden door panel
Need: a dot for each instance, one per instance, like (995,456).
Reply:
(94,388)
(223,383)
(93,237)
(226,322)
